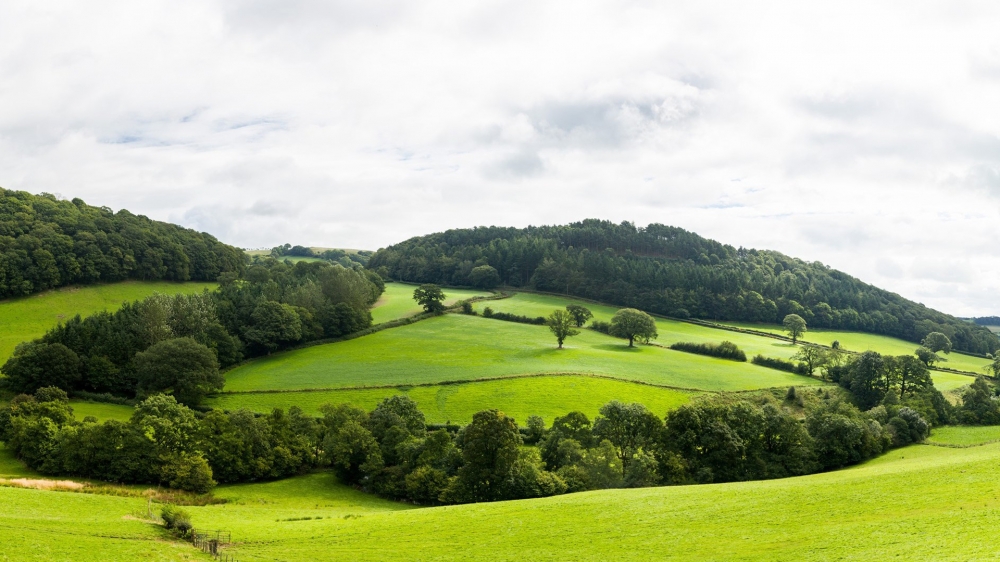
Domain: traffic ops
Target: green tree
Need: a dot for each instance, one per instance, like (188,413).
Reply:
(994,367)
(795,325)
(936,341)
(579,313)
(813,356)
(868,379)
(561,324)
(908,374)
(353,452)
(272,325)
(928,357)
(633,325)
(629,427)
(484,277)
(35,365)
(182,366)
(490,450)
(429,296)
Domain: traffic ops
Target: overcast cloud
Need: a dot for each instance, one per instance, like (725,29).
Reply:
(860,134)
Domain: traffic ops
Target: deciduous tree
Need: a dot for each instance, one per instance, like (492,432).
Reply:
(429,296)
(561,324)
(634,325)
(795,325)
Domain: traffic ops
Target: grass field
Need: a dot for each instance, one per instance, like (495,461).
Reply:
(965,435)
(27,318)
(455,347)
(859,341)
(100,410)
(548,396)
(397,301)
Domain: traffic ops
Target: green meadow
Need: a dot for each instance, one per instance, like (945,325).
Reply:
(886,345)
(27,318)
(456,347)
(100,410)
(965,435)
(545,396)
(397,301)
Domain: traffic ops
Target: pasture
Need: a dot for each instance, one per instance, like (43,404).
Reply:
(100,410)
(886,345)
(397,301)
(27,318)
(965,436)
(546,396)
(455,347)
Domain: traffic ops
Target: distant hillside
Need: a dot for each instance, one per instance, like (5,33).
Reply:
(670,271)
(47,243)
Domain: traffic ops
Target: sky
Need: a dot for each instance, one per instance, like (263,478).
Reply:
(860,134)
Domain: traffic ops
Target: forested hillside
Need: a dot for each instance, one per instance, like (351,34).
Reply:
(669,271)
(47,243)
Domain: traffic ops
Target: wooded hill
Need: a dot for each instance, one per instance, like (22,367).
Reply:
(47,243)
(670,271)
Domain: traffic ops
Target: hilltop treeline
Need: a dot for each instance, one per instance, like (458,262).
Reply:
(343,257)
(178,343)
(47,243)
(670,271)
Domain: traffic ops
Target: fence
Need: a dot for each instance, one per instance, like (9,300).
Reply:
(212,542)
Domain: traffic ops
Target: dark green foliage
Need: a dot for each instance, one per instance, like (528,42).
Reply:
(665,269)
(725,350)
(927,357)
(508,317)
(429,296)
(844,436)
(35,365)
(533,431)
(484,277)
(47,243)
(632,325)
(561,325)
(580,314)
(629,427)
(795,325)
(489,451)
(182,366)
(467,308)
(176,519)
(601,326)
(779,364)
(979,407)
(272,326)
(936,341)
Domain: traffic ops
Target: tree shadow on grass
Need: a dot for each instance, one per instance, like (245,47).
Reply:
(620,348)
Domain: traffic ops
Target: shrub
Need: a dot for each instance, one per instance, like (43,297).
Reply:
(176,520)
(780,364)
(602,327)
(724,350)
(467,308)
(507,317)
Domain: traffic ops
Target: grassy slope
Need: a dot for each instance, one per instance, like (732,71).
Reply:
(965,435)
(397,301)
(100,410)
(455,347)
(27,318)
(917,503)
(859,341)
(548,397)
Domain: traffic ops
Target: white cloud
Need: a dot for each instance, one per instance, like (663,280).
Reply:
(861,134)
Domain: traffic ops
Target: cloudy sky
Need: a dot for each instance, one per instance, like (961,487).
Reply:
(858,134)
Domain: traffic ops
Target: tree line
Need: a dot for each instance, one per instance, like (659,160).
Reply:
(335,255)
(669,271)
(47,243)
(177,344)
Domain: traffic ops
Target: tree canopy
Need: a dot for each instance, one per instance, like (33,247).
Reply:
(632,325)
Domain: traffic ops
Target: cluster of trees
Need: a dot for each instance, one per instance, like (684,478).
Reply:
(47,243)
(178,344)
(344,258)
(670,271)
(724,350)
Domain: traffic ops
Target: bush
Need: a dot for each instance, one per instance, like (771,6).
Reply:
(507,317)
(602,327)
(176,520)
(189,472)
(724,350)
(780,364)
(467,308)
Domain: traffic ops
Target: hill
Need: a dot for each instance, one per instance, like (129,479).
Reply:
(47,243)
(669,271)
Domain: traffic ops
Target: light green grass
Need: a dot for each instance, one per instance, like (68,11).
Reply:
(397,301)
(860,341)
(10,467)
(917,503)
(548,397)
(670,331)
(27,318)
(455,347)
(45,526)
(946,382)
(965,435)
(100,410)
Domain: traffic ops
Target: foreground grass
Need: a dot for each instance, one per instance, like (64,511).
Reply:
(27,318)
(965,435)
(886,345)
(547,396)
(397,301)
(917,503)
(670,331)
(456,347)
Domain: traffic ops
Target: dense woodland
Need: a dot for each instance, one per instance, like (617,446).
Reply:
(47,243)
(179,343)
(669,271)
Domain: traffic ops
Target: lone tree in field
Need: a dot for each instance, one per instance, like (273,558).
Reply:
(795,325)
(579,313)
(634,325)
(560,324)
(936,341)
(429,296)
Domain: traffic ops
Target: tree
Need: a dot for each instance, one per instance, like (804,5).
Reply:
(484,277)
(928,357)
(560,324)
(936,341)
(430,297)
(490,450)
(579,313)
(994,367)
(634,325)
(908,374)
(629,427)
(868,379)
(181,365)
(35,365)
(795,325)
(273,324)
(813,356)
(353,452)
